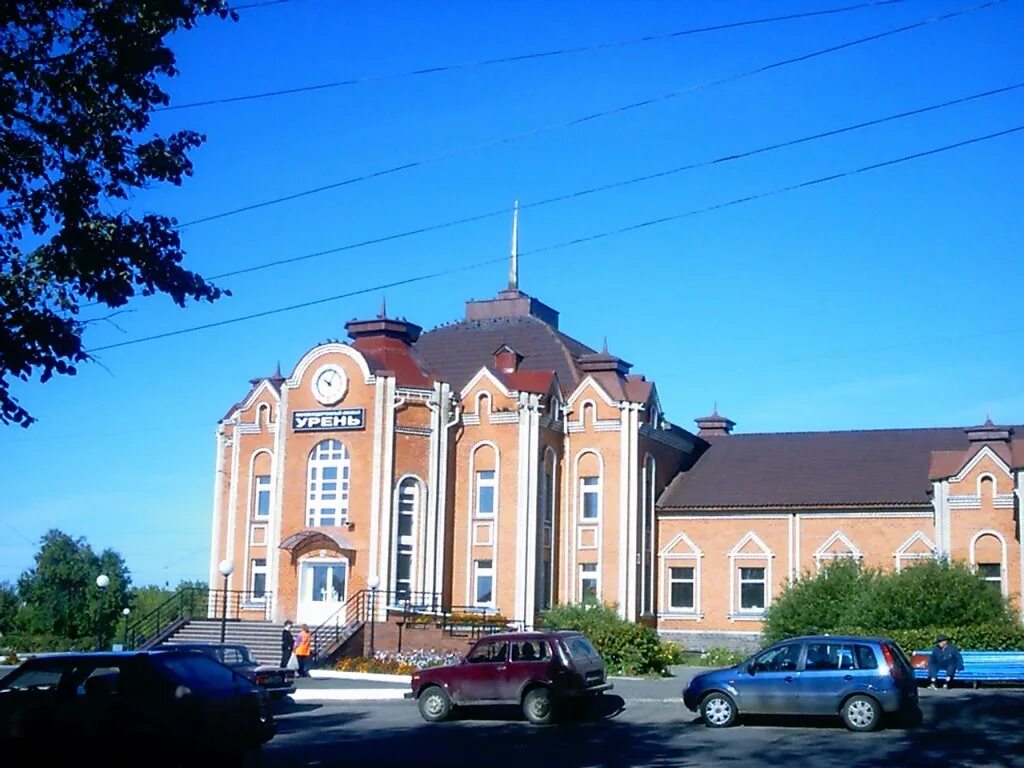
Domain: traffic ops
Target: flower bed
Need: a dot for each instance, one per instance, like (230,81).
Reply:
(404,663)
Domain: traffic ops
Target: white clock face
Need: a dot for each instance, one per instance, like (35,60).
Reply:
(329,384)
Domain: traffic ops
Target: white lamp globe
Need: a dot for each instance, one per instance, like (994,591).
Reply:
(103,581)
(373,582)
(226,567)
(126,611)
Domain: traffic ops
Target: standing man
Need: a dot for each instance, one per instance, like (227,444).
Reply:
(946,658)
(303,650)
(287,644)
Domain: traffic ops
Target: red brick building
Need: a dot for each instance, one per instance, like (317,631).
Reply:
(498,463)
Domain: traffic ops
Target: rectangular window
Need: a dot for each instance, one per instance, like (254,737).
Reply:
(262,495)
(590,591)
(993,574)
(483,579)
(752,589)
(682,588)
(485,482)
(258,571)
(590,497)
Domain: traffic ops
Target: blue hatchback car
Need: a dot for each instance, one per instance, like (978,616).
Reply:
(857,678)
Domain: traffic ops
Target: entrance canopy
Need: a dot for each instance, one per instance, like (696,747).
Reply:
(313,537)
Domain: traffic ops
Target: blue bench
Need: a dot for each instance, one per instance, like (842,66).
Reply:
(983,667)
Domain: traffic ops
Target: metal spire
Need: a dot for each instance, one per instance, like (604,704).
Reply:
(513,267)
(383,307)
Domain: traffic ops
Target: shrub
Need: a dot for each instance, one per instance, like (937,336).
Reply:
(921,597)
(976,637)
(627,648)
(672,653)
(11,659)
(720,657)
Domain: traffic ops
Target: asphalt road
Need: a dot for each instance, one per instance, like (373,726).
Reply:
(959,728)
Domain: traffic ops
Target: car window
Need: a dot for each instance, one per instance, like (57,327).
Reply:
(102,681)
(487,651)
(232,656)
(531,650)
(828,657)
(579,647)
(38,678)
(198,672)
(866,658)
(781,659)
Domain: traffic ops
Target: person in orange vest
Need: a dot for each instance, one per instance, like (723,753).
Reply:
(303,650)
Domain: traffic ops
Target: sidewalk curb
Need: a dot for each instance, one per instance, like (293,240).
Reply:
(348,694)
(377,677)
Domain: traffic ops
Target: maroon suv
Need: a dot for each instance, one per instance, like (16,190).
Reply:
(535,670)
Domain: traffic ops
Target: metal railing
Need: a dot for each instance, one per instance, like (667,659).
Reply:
(339,625)
(191,603)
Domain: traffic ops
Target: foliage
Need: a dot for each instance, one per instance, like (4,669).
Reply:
(478,620)
(975,637)
(9,605)
(627,648)
(720,657)
(672,653)
(81,80)
(61,604)
(927,595)
(931,594)
(11,659)
(384,666)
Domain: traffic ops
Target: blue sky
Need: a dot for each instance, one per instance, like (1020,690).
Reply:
(881,300)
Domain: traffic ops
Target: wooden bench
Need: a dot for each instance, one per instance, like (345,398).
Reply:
(979,667)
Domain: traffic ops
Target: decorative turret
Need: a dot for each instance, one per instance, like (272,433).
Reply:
(714,425)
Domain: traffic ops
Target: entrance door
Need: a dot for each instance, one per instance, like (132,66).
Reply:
(321,591)
(408,506)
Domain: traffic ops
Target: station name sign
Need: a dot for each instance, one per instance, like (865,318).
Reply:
(328,421)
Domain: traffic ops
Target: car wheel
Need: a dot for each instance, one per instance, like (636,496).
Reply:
(435,704)
(718,710)
(862,713)
(538,707)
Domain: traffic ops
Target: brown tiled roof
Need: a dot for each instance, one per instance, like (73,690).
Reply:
(797,469)
(456,352)
(538,382)
(395,356)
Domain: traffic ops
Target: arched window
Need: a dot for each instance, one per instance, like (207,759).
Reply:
(328,484)
(986,490)
(407,511)
(988,556)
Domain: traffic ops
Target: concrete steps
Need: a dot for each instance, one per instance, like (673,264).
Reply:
(263,638)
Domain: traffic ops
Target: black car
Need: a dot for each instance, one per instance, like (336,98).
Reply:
(278,681)
(164,707)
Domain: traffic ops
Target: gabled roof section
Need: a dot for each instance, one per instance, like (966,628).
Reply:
(862,468)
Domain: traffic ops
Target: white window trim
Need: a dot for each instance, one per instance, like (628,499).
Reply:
(1003,585)
(736,555)
(269,488)
(477,573)
(596,489)
(471,556)
(478,484)
(258,528)
(419,498)
(669,557)
(314,507)
(595,575)
(822,553)
(253,571)
(693,565)
(995,484)
(903,552)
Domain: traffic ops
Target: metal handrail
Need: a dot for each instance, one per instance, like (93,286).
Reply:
(192,603)
(325,635)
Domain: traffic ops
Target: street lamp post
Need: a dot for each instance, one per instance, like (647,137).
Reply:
(124,640)
(226,567)
(102,582)
(373,582)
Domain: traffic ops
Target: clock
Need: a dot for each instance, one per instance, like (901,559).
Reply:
(330,384)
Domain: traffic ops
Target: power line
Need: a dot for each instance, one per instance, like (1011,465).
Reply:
(592,116)
(623,183)
(524,56)
(568,243)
